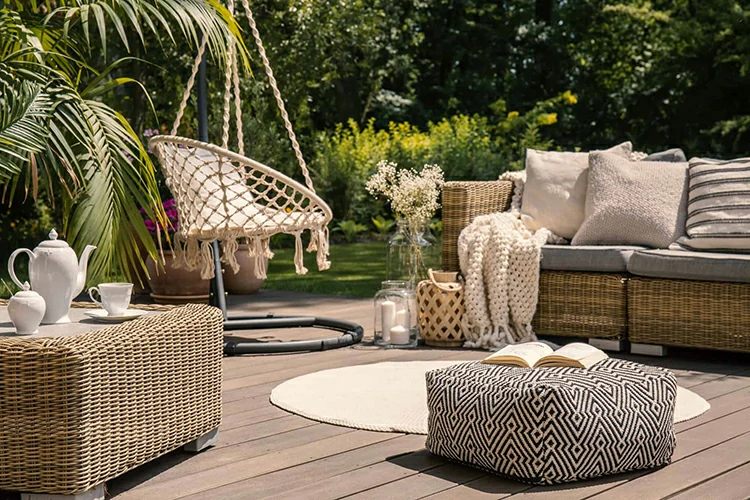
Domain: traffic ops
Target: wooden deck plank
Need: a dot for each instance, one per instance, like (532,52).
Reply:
(487,487)
(265,452)
(690,471)
(258,430)
(732,485)
(421,484)
(365,478)
(256,415)
(330,470)
(180,465)
(216,477)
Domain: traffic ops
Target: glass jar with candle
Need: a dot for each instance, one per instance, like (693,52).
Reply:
(395,316)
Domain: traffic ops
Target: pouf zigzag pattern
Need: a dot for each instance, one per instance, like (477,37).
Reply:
(552,425)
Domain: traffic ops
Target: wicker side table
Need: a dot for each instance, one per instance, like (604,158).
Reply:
(79,407)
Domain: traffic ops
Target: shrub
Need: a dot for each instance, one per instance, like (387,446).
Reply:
(465,147)
(349,229)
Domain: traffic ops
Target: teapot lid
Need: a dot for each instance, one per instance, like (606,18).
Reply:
(27,292)
(53,242)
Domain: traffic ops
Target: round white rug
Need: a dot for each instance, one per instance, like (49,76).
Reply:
(391,396)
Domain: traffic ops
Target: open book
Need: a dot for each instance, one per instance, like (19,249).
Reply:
(536,354)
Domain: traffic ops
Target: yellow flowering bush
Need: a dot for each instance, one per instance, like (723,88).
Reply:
(466,147)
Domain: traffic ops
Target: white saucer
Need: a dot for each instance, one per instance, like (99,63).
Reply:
(102,315)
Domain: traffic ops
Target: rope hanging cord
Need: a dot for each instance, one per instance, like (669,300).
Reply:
(225,196)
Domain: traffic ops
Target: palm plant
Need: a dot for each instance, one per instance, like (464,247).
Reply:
(59,135)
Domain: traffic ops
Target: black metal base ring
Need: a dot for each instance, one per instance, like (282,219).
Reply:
(351,333)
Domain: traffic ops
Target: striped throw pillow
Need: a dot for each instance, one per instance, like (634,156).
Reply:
(718,212)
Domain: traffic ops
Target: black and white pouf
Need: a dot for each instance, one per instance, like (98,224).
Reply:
(552,425)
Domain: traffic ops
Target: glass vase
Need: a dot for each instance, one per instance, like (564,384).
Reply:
(412,250)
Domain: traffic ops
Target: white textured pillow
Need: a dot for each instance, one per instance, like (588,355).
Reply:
(554,196)
(633,203)
(718,210)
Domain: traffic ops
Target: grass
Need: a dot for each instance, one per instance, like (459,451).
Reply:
(356,270)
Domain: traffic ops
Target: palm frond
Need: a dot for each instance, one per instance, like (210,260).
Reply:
(193,18)
(120,180)
(24,114)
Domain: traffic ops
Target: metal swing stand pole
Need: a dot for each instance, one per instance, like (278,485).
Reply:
(350,333)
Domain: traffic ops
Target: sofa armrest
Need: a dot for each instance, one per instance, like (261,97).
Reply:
(464,201)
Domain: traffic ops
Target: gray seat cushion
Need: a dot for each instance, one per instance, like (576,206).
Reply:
(698,266)
(591,258)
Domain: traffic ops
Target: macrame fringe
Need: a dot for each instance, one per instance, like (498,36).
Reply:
(229,253)
(192,253)
(299,263)
(319,243)
(207,260)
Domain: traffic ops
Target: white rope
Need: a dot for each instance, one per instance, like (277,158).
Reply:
(189,86)
(228,84)
(238,107)
(277,95)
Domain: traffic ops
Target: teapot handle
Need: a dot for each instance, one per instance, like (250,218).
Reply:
(12,259)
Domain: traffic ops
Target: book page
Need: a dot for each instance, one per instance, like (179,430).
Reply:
(528,354)
(575,354)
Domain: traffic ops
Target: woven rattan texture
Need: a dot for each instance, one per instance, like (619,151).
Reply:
(440,314)
(578,304)
(76,411)
(686,313)
(462,202)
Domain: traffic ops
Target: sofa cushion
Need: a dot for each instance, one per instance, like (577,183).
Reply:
(554,195)
(718,211)
(673,155)
(633,203)
(698,266)
(590,258)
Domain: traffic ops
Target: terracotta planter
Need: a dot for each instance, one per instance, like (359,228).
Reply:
(244,282)
(176,286)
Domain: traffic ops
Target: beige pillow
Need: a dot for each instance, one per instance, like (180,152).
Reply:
(554,195)
(633,203)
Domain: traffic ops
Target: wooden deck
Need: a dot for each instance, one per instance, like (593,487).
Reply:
(265,452)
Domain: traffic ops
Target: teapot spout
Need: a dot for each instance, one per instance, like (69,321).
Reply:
(83,264)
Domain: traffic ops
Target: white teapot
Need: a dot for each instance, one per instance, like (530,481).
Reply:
(56,274)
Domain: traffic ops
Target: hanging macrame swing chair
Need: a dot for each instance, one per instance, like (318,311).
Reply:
(223,197)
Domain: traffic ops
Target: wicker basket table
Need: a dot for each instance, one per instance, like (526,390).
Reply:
(81,403)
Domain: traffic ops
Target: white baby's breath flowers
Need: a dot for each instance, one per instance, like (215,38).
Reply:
(413,195)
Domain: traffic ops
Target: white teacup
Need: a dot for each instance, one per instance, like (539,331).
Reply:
(115,297)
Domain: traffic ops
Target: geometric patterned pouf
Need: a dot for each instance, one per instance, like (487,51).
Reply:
(552,425)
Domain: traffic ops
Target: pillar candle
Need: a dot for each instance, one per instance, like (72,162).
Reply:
(388,318)
(402,318)
(399,335)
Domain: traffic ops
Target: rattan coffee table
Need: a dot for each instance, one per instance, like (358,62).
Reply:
(85,402)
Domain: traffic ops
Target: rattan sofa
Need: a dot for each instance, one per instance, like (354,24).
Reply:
(614,306)
(78,410)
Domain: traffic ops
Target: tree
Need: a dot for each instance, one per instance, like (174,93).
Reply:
(59,134)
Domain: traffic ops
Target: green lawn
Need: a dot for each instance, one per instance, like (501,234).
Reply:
(356,270)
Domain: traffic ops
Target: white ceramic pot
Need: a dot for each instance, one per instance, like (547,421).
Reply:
(26,310)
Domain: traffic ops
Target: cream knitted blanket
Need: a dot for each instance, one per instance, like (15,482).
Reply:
(499,258)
